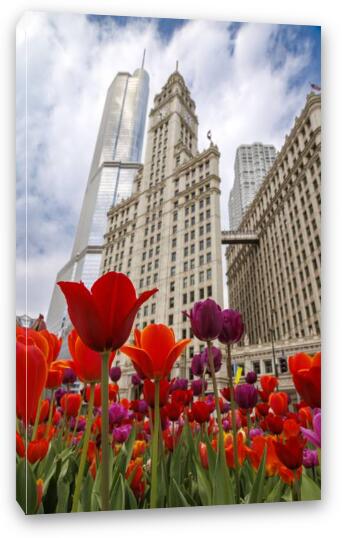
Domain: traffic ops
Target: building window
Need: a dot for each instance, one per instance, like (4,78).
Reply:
(256,367)
(268,366)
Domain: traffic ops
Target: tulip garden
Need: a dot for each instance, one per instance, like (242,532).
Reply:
(175,444)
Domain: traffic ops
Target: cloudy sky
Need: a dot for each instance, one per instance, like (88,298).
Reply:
(249,81)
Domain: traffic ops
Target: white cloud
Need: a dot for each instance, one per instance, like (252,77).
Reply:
(242,97)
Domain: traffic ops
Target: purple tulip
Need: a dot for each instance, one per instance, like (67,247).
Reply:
(59,394)
(314,436)
(69,376)
(217,358)
(246,396)
(179,384)
(121,433)
(310,458)
(143,407)
(197,364)
(251,378)
(225,407)
(206,320)
(196,386)
(233,327)
(115,373)
(225,425)
(81,424)
(254,432)
(117,413)
(136,381)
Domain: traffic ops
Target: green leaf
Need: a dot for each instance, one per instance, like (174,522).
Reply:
(255,495)
(63,487)
(85,497)
(176,497)
(277,492)
(223,488)
(310,491)
(95,502)
(131,502)
(26,483)
(117,499)
(204,485)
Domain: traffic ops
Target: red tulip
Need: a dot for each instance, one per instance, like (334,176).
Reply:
(164,387)
(183,397)
(31,374)
(37,450)
(274,423)
(203,454)
(155,351)
(291,428)
(268,384)
(278,402)
(54,378)
(173,410)
(103,317)
(70,404)
(97,395)
(290,453)
(201,412)
(306,373)
(20,446)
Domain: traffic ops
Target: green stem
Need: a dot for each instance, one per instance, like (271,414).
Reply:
(48,427)
(233,407)
(154,477)
(222,453)
(104,432)
(249,424)
(36,420)
(296,496)
(84,449)
(76,423)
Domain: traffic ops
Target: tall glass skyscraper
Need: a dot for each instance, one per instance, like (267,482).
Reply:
(252,162)
(115,162)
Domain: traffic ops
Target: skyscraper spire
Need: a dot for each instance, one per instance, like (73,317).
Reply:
(115,162)
(177,66)
(143,59)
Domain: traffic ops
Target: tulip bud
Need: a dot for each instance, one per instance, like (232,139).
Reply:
(246,396)
(115,373)
(232,327)
(251,378)
(206,320)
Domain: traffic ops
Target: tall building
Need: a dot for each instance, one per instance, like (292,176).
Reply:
(168,233)
(252,162)
(276,282)
(115,163)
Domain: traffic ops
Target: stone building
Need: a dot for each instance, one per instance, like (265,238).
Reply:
(167,234)
(275,282)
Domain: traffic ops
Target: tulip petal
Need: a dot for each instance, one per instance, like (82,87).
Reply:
(114,295)
(84,314)
(157,340)
(141,360)
(173,355)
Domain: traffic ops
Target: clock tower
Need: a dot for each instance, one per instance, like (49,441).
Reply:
(172,133)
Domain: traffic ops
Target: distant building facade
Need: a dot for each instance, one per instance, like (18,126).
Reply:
(252,162)
(115,163)
(276,283)
(168,233)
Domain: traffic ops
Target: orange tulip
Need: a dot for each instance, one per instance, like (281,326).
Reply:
(155,351)
(278,402)
(256,452)
(306,374)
